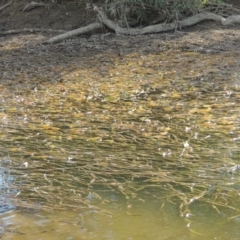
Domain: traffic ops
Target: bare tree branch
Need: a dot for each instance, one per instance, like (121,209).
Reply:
(75,32)
(6,5)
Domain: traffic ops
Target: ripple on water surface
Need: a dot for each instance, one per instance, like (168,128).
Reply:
(142,147)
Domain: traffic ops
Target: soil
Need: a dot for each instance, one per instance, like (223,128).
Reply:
(25,52)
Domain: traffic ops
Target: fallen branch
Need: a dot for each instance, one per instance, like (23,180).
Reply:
(33,5)
(6,5)
(75,32)
(31,30)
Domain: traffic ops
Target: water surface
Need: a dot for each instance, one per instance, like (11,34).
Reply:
(137,147)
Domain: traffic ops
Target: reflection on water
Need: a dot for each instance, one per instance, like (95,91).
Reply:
(6,190)
(149,150)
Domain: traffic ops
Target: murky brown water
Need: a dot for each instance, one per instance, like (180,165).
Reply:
(138,147)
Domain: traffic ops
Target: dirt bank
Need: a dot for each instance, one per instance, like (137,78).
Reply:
(24,54)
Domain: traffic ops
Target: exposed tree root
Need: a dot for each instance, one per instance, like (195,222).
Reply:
(103,19)
(231,20)
(163,27)
(6,5)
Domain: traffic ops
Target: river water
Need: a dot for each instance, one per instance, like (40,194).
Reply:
(142,146)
